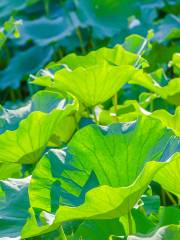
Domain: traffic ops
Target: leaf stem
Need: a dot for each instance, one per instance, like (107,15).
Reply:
(151,106)
(171,198)
(61,54)
(130,223)
(46,6)
(79,35)
(115,103)
(19,93)
(163,197)
(12,95)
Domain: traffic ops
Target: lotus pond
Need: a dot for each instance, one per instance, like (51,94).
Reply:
(89,120)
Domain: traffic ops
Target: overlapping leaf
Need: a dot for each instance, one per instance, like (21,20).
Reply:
(108,159)
(23,64)
(116,56)
(43,101)
(14,207)
(170,92)
(27,143)
(107,17)
(103,171)
(93,85)
(131,110)
(171,121)
(168,176)
(44,31)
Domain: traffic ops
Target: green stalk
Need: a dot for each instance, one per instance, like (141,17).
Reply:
(171,198)
(92,45)
(61,54)
(46,6)
(79,35)
(130,223)
(19,93)
(30,88)
(115,103)
(140,52)
(12,95)
(163,197)
(151,106)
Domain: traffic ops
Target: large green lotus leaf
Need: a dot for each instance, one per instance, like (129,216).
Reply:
(44,31)
(27,143)
(93,85)
(105,156)
(102,202)
(169,178)
(46,101)
(116,56)
(166,233)
(24,63)
(14,204)
(106,17)
(43,101)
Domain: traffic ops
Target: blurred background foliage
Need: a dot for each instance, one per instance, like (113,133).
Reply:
(34,32)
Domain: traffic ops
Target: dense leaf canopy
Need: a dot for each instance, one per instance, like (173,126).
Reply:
(89,120)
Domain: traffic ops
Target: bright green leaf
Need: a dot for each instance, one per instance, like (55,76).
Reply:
(109,157)
(14,204)
(93,85)
(27,143)
(168,176)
